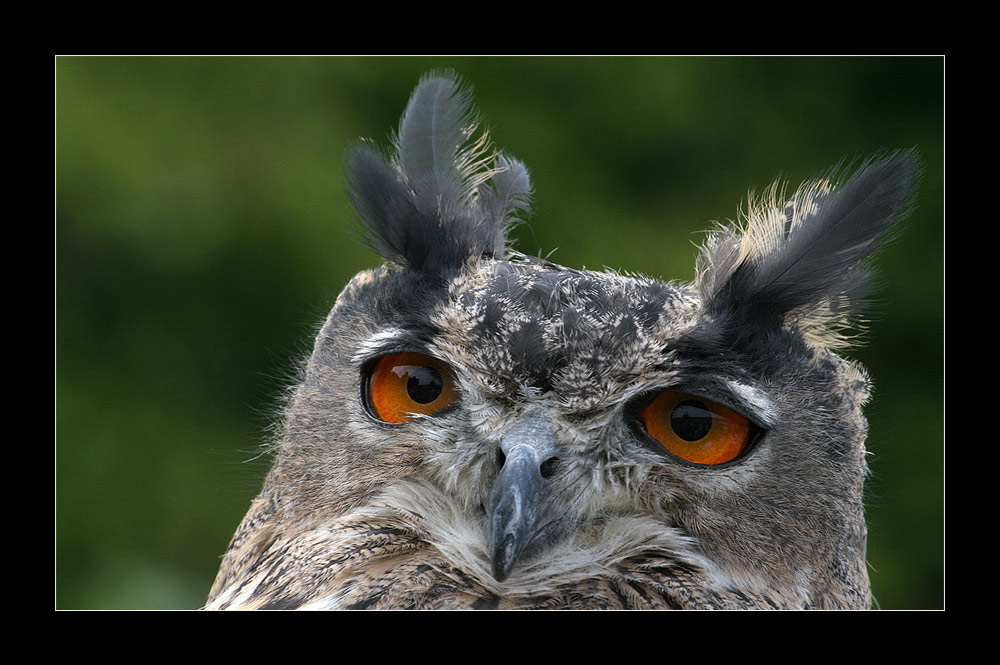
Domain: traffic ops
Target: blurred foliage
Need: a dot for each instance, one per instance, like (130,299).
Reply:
(202,232)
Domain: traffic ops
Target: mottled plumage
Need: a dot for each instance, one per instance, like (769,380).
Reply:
(476,428)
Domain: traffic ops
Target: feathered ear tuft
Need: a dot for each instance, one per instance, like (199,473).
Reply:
(441,197)
(801,263)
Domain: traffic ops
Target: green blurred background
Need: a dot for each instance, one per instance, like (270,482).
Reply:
(202,232)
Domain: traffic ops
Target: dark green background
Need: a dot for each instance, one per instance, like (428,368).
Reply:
(202,232)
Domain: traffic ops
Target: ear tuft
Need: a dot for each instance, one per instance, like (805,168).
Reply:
(801,262)
(441,197)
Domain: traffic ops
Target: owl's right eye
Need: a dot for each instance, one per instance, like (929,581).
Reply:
(401,386)
(695,429)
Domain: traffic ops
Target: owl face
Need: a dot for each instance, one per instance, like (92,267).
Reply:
(480,428)
(631,408)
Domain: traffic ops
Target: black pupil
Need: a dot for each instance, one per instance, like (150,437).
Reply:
(691,420)
(424,385)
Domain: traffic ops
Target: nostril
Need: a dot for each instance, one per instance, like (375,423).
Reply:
(501,458)
(548,467)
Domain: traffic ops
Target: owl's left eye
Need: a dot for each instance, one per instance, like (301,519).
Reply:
(695,429)
(400,386)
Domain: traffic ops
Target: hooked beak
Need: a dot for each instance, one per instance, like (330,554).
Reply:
(519,491)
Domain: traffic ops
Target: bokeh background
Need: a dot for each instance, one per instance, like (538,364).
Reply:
(202,232)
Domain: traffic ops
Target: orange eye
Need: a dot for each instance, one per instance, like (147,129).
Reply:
(403,384)
(695,429)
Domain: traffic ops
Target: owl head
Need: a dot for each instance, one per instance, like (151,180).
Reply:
(526,434)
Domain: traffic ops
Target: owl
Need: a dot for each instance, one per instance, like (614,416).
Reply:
(477,428)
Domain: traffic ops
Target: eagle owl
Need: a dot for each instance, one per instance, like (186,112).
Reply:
(478,428)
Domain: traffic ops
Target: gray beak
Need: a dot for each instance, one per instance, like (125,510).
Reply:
(519,491)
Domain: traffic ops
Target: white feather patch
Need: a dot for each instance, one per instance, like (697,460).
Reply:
(375,343)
